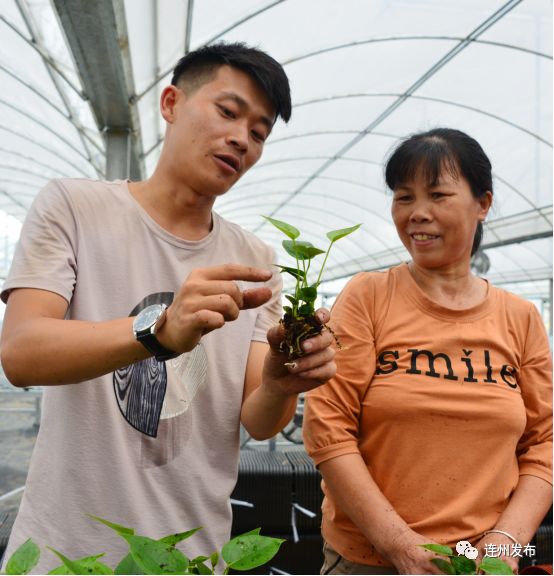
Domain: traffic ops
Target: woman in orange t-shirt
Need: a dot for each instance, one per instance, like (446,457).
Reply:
(438,424)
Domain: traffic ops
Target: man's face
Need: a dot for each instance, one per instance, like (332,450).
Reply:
(216,133)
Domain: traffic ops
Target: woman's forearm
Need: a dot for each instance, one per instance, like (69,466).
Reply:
(356,493)
(527,507)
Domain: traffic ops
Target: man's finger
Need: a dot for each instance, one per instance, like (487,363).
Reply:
(254,297)
(318,342)
(237,272)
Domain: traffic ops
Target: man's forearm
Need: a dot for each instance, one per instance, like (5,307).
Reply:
(265,413)
(48,351)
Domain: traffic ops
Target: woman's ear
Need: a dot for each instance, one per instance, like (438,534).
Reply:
(485,203)
(168,101)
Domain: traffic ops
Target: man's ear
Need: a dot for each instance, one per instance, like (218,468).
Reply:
(168,101)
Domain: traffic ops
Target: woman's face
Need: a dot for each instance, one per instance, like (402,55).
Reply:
(437,223)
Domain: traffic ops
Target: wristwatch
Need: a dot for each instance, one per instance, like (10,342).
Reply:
(145,325)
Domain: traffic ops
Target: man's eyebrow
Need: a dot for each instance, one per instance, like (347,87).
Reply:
(244,104)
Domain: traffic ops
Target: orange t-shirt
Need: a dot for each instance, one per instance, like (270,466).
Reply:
(446,407)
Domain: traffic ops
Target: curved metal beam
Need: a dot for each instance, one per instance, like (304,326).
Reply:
(428,99)
(483,27)
(36,162)
(327,132)
(55,153)
(354,205)
(23,171)
(36,120)
(410,37)
(158,79)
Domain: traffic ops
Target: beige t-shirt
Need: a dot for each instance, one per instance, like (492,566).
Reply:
(153,446)
(447,408)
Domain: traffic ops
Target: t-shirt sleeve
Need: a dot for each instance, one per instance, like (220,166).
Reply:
(45,257)
(332,411)
(269,313)
(534,450)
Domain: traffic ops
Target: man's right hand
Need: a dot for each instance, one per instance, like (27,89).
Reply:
(208,298)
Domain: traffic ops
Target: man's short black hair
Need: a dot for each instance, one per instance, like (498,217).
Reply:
(198,67)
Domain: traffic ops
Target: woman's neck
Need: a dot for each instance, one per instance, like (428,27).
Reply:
(455,288)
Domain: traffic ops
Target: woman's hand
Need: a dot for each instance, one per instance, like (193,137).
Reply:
(502,547)
(409,557)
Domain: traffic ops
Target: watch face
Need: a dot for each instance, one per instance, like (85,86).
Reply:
(147,318)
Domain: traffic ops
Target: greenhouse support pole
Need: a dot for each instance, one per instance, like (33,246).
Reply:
(118,154)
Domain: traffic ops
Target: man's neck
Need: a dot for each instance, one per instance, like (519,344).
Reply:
(177,209)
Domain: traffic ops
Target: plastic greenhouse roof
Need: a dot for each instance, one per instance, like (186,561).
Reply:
(364,73)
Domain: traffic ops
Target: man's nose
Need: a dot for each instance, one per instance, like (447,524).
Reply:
(238,137)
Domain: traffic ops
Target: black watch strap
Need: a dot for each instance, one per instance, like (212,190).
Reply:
(150,342)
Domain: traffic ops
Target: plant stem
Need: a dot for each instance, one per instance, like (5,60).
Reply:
(323,266)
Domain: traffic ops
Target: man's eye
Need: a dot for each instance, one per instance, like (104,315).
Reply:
(437,195)
(404,198)
(227,112)
(258,137)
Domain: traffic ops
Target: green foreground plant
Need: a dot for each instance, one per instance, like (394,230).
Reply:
(299,319)
(148,556)
(459,564)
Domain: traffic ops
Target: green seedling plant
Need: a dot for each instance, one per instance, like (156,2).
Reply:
(299,318)
(459,564)
(148,556)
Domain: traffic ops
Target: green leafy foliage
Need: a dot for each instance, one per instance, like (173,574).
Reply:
(287,229)
(86,565)
(494,566)
(250,551)
(303,252)
(24,559)
(149,556)
(458,564)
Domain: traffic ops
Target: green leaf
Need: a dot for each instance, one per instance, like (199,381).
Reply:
(202,568)
(438,549)
(287,309)
(24,559)
(494,566)
(117,527)
(301,250)
(296,272)
(291,299)
(214,559)
(306,310)
(287,229)
(154,557)
(250,551)
(174,539)
(463,565)
(335,235)
(308,294)
(88,565)
(128,566)
(443,565)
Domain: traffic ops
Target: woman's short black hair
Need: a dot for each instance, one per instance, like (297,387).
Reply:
(199,66)
(430,153)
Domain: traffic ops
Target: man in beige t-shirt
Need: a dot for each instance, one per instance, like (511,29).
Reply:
(145,317)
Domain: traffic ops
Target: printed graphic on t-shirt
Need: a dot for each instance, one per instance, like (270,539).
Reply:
(149,391)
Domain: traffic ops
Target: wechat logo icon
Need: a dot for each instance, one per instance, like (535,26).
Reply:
(464,548)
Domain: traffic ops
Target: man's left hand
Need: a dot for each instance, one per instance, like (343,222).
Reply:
(285,377)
